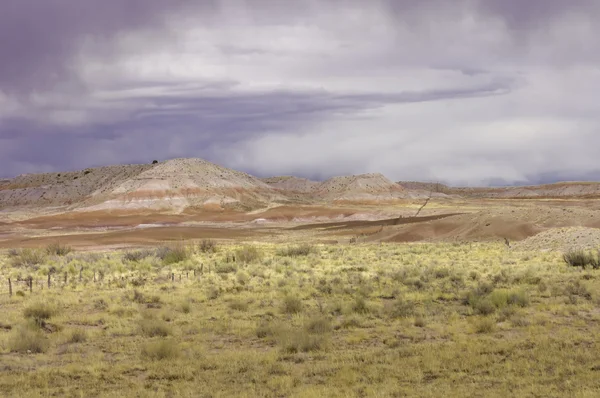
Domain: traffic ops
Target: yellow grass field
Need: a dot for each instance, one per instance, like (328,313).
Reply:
(271,320)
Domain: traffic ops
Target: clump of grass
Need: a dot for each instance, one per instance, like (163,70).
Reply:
(360,305)
(77,336)
(581,258)
(186,307)
(349,323)
(213,292)
(420,322)
(56,249)
(485,325)
(28,258)
(577,288)
(208,246)
(154,328)
(248,254)
(400,308)
(225,268)
(292,341)
(239,305)
(173,254)
(291,305)
(318,325)
(518,298)
(160,350)
(303,249)
(100,304)
(28,340)
(39,312)
(484,306)
(137,255)
(242,278)
(267,329)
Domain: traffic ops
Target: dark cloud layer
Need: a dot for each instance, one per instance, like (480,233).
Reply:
(39,37)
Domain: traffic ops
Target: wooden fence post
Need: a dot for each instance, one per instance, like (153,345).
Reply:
(30,284)
(80,271)
(9,287)
(65,277)
(49,282)
(172,276)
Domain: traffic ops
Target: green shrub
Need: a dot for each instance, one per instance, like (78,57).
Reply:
(56,249)
(160,350)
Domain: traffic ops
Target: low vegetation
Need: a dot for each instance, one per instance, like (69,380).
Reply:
(300,320)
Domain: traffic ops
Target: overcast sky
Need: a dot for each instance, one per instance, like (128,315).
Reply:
(468,92)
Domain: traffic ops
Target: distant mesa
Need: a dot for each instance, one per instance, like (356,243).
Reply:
(191,183)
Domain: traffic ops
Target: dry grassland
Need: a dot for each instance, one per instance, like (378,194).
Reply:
(380,320)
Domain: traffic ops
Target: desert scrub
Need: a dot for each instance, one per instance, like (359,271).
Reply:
(208,246)
(303,249)
(137,255)
(581,258)
(39,312)
(360,305)
(239,305)
(28,258)
(248,254)
(485,325)
(173,254)
(318,325)
(56,249)
(291,305)
(77,336)
(313,336)
(28,339)
(400,308)
(154,328)
(160,350)
(186,307)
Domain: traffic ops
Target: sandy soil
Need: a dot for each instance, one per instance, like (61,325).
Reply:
(441,220)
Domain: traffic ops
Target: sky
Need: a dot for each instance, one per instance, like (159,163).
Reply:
(466,92)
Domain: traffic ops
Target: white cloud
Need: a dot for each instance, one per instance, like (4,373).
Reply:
(443,92)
